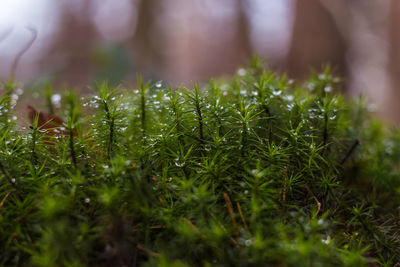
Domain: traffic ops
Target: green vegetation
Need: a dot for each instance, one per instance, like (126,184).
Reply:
(252,171)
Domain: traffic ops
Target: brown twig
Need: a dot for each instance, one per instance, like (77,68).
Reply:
(284,186)
(231,213)
(157,227)
(223,227)
(148,251)
(316,200)
(242,217)
(4,199)
(318,205)
(195,229)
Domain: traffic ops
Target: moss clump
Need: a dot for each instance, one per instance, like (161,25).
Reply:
(250,171)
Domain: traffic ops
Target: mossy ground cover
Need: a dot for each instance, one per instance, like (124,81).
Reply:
(248,171)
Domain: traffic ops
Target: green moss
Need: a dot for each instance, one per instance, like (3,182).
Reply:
(254,170)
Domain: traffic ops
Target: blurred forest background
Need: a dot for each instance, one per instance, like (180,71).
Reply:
(75,42)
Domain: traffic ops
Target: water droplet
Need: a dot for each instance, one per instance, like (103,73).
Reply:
(241,72)
(178,163)
(276,93)
(289,97)
(14,97)
(248,242)
(326,240)
(19,91)
(372,107)
(55,99)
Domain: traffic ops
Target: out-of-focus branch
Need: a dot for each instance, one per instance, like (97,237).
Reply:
(23,51)
(6,34)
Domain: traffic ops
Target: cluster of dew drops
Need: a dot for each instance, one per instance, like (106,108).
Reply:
(6,108)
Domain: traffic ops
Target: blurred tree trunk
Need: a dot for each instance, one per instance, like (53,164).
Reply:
(147,58)
(243,32)
(232,51)
(70,53)
(215,45)
(316,41)
(392,110)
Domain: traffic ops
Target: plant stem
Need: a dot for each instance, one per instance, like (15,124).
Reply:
(33,149)
(351,150)
(111,136)
(143,112)
(71,146)
(177,123)
(325,133)
(244,139)
(199,115)
(268,113)
(110,121)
